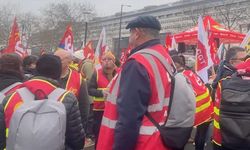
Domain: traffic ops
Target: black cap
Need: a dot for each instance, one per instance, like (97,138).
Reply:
(49,66)
(144,22)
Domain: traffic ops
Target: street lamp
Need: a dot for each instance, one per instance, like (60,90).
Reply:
(86,27)
(119,38)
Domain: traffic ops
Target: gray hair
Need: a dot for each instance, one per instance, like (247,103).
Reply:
(153,33)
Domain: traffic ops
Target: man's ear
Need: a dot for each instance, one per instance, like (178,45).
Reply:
(137,33)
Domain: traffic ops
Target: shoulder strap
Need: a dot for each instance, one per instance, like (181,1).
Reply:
(169,69)
(2,96)
(10,87)
(26,95)
(56,94)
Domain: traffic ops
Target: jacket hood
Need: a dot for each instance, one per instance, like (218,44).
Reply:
(44,88)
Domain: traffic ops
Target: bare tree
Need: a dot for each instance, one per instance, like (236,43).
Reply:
(230,15)
(6,19)
(28,24)
(58,15)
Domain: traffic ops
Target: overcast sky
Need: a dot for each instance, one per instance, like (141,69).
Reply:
(103,7)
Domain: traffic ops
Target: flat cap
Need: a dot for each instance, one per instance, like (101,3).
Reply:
(144,22)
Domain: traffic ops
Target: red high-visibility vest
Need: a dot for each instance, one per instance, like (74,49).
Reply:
(216,128)
(204,105)
(149,137)
(102,83)
(74,82)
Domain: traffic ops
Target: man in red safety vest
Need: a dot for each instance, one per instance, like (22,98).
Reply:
(71,80)
(142,85)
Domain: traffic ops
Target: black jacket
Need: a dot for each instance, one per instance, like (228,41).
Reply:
(74,137)
(225,69)
(83,99)
(92,86)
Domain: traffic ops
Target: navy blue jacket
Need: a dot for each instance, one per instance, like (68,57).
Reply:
(132,100)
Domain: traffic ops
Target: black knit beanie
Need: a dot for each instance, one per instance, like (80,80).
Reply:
(49,66)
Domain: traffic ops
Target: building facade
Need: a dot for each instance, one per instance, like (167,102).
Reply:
(174,18)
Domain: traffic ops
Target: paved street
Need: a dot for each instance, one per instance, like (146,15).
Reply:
(189,146)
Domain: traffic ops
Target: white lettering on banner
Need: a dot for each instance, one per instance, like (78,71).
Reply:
(200,57)
(197,79)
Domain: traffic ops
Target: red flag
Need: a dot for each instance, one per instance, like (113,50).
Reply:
(203,58)
(168,42)
(88,50)
(67,41)
(15,44)
(100,48)
(213,49)
(101,45)
(124,54)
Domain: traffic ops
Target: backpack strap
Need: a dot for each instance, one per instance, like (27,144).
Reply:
(10,87)
(28,96)
(56,94)
(25,94)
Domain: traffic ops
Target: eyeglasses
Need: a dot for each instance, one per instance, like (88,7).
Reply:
(107,59)
(239,59)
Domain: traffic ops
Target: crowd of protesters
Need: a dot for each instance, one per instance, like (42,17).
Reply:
(108,106)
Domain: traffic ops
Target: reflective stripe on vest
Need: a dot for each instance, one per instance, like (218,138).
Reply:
(163,102)
(203,96)
(144,130)
(216,128)
(102,83)
(161,93)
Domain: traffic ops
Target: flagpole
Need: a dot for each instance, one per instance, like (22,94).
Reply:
(120,26)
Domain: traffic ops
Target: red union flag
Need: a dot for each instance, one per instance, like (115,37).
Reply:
(101,45)
(67,40)
(168,42)
(213,49)
(100,48)
(88,50)
(203,58)
(15,44)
